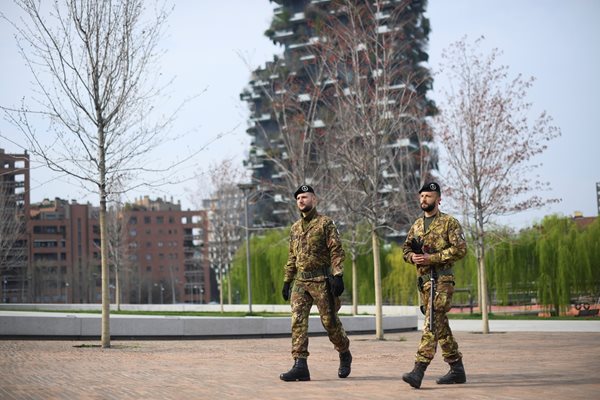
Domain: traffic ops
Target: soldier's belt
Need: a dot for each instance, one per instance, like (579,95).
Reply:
(426,277)
(310,274)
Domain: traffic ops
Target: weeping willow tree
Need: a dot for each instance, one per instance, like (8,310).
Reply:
(588,245)
(268,255)
(565,263)
(399,286)
(364,273)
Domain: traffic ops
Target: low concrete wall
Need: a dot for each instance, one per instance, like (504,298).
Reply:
(43,324)
(280,308)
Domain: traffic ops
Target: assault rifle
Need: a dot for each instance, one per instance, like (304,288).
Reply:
(418,247)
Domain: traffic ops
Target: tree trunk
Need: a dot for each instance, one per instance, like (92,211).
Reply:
(482,275)
(354,285)
(117,286)
(221,287)
(105,337)
(229,297)
(377,278)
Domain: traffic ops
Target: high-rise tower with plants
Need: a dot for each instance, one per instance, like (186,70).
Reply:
(344,108)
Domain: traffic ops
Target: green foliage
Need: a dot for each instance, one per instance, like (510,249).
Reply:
(550,264)
(268,256)
(400,285)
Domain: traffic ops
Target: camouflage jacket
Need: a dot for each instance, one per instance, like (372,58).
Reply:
(444,240)
(315,247)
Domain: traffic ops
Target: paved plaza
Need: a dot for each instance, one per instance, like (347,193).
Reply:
(501,365)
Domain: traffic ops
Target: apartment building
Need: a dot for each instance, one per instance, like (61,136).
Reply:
(64,252)
(14,209)
(166,256)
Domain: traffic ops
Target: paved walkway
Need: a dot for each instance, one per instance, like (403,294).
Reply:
(501,365)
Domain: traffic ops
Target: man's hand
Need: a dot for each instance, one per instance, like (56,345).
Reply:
(285,292)
(421,259)
(337,285)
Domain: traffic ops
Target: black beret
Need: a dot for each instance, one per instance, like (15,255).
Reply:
(430,187)
(303,189)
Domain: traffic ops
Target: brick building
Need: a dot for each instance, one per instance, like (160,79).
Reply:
(50,251)
(64,252)
(166,253)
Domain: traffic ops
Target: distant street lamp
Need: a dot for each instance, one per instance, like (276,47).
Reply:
(4,294)
(162,289)
(66,292)
(246,188)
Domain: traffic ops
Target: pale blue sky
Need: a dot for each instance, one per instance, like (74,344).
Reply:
(211,42)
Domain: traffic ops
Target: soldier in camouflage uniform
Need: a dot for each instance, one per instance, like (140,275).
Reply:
(315,253)
(443,243)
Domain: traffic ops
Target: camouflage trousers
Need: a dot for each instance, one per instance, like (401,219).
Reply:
(442,333)
(304,294)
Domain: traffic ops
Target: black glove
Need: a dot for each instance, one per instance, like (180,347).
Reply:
(337,285)
(285,292)
(416,245)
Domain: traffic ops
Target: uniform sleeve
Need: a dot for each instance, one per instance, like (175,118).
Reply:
(406,249)
(457,248)
(290,266)
(336,251)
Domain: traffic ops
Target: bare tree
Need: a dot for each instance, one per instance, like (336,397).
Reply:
(93,62)
(118,252)
(490,137)
(382,142)
(356,241)
(225,212)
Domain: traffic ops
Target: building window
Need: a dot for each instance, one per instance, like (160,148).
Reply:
(146,220)
(160,220)
(133,232)
(132,220)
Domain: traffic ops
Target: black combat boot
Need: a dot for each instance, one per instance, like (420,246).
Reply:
(345,363)
(299,372)
(455,375)
(415,377)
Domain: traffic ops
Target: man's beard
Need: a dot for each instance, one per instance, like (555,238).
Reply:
(306,208)
(428,207)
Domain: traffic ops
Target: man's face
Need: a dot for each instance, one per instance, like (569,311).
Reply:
(429,201)
(305,202)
